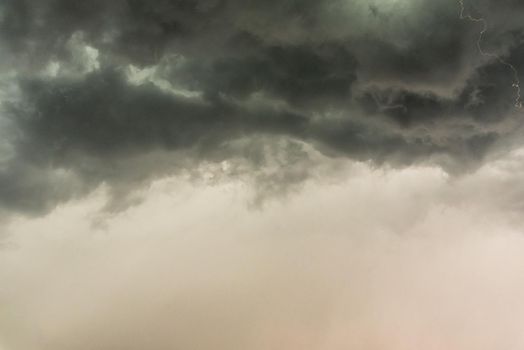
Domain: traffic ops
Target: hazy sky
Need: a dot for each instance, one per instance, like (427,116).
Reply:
(261,174)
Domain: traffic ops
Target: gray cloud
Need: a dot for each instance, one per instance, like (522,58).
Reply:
(105,87)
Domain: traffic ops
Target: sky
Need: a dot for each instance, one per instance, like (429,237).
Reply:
(248,174)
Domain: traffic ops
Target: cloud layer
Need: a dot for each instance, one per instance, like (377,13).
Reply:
(140,139)
(93,92)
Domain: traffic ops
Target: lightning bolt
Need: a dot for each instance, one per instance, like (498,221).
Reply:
(484,23)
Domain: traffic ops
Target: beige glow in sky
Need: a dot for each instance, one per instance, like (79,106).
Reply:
(383,259)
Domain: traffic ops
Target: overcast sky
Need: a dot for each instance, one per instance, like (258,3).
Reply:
(261,174)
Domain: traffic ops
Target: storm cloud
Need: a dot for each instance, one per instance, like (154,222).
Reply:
(261,174)
(123,92)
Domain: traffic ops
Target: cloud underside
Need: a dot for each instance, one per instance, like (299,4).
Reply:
(123,92)
(141,139)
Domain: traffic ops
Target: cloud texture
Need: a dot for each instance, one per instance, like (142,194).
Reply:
(123,92)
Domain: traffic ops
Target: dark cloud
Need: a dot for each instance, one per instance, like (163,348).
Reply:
(121,92)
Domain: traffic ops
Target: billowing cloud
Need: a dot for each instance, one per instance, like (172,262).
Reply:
(92,91)
(277,174)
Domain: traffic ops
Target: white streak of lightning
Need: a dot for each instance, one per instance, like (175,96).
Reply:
(516,81)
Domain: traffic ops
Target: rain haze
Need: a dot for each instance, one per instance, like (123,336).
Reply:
(254,175)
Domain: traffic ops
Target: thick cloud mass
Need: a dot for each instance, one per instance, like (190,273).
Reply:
(140,141)
(121,92)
